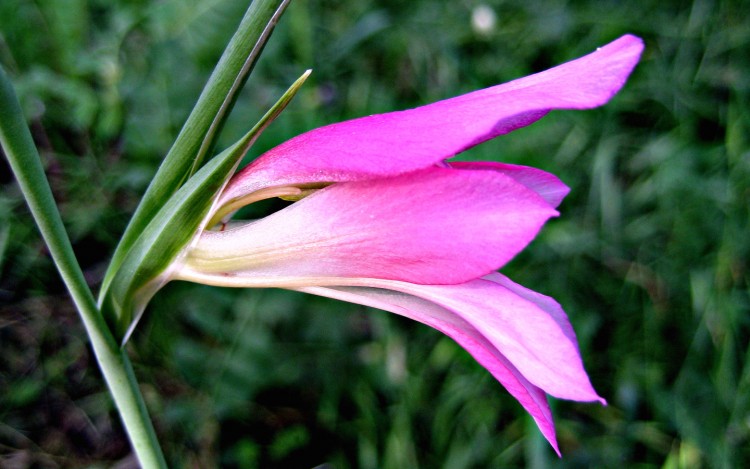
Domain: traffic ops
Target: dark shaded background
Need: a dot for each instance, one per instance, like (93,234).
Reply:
(649,258)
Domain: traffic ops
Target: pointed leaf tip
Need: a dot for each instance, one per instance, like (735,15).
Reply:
(180,218)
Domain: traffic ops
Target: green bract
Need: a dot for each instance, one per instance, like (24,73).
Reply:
(198,135)
(188,154)
(181,216)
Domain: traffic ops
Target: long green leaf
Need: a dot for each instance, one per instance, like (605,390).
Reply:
(178,221)
(200,132)
(26,165)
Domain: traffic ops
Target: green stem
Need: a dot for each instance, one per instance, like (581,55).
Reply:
(25,163)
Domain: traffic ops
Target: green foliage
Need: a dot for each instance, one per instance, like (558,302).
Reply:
(182,215)
(649,257)
(147,237)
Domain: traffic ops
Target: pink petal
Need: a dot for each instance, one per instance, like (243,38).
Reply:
(547,185)
(399,142)
(545,303)
(531,397)
(435,226)
(531,330)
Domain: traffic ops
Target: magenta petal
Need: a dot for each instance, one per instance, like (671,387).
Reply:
(531,330)
(547,185)
(545,303)
(435,226)
(531,397)
(400,142)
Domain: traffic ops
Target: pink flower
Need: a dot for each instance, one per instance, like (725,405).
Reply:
(383,220)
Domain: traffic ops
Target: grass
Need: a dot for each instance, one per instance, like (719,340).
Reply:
(649,257)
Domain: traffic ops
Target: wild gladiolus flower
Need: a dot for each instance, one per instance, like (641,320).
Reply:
(382,219)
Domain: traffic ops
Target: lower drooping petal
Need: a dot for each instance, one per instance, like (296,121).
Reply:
(529,329)
(399,142)
(522,337)
(435,226)
(533,399)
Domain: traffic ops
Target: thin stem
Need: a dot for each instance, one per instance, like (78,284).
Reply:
(25,163)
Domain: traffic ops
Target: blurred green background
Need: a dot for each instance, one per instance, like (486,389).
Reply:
(649,258)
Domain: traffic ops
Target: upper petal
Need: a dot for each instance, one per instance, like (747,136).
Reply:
(436,226)
(399,142)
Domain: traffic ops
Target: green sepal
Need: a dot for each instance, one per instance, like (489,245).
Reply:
(179,220)
(200,132)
